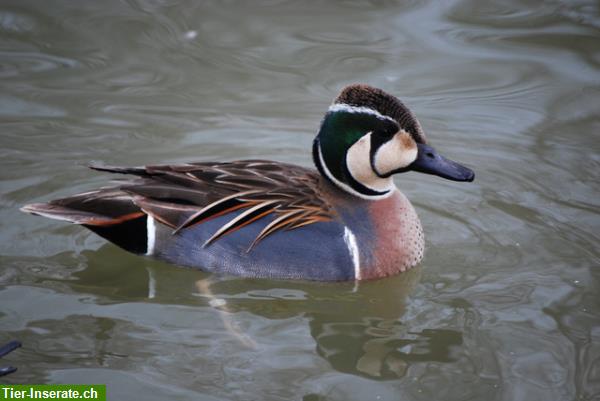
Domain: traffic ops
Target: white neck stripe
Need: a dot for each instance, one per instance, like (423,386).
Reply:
(359,110)
(346,187)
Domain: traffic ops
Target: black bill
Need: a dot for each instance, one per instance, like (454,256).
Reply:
(429,161)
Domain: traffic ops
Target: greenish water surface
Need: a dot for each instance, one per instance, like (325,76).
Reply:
(506,304)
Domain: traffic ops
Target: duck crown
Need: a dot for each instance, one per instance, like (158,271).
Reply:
(368,97)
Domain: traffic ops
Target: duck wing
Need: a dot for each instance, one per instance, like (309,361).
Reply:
(184,195)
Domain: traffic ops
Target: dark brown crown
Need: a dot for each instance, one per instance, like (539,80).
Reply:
(362,95)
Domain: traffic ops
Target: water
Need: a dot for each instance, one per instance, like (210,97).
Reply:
(505,305)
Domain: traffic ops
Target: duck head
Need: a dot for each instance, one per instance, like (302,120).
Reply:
(369,135)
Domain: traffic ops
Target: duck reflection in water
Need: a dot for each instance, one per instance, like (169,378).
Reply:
(367,329)
(358,329)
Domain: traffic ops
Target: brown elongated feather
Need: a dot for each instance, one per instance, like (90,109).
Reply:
(120,170)
(279,223)
(217,208)
(168,192)
(243,219)
(97,207)
(169,213)
(77,216)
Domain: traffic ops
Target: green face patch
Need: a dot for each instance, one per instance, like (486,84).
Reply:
(340,130)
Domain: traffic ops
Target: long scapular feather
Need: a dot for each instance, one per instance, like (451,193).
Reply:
(243,219)
(217,208)
(141,171)
(72,215)
(277,224)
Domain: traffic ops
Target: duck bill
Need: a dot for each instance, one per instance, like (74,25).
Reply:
(429,161)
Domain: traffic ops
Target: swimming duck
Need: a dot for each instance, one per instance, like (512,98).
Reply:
(259,218)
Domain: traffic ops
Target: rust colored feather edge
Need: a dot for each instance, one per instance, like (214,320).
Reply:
(209,212)
(243,219)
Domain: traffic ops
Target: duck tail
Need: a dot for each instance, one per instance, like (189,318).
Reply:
(109,213)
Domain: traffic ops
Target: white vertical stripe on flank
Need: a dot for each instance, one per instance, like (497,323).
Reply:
(151,234)
(350,241)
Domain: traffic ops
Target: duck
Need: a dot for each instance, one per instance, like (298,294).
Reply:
(345,220)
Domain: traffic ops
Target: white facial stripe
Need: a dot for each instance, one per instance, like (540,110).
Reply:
(398,152)
(151,234)
(358,161)
(346,187)
(350,241)
(357,109)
